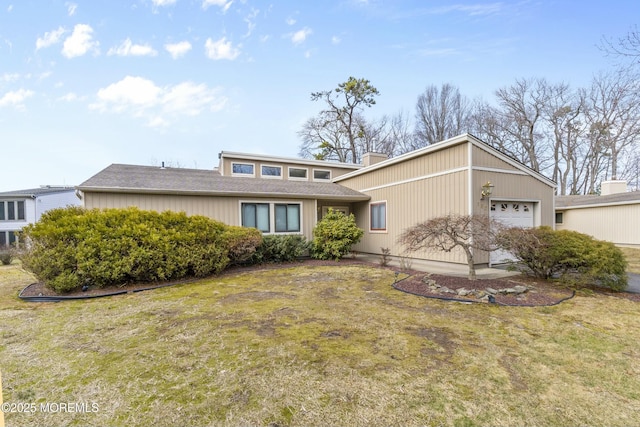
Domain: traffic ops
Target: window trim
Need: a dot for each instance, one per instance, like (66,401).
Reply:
(386,217)
(253,166)
(262,175)
(321,179)
(295,178)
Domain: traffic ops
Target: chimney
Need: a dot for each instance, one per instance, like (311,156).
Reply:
(613,187)
(369,159)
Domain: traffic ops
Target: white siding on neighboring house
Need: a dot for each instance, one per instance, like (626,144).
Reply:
(47,202)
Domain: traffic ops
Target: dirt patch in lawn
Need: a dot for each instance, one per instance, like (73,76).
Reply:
(539,292)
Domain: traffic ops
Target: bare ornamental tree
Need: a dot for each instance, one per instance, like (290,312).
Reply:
(445,233)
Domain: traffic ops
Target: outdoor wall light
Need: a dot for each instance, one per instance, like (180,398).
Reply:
(486,190)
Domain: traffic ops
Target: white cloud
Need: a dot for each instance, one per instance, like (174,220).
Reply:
(50,38)
(80,42)
(6,77)
(221,49)
(300,36)
(129,49)
(163,2)
(335,40)
(250,19)
(473,10)
(290,21)
(190,99)
(223,4)
(142,98)
(69,97)
(16,99)
(71,8)
(178,49)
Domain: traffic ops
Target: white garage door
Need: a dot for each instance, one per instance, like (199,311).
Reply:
(511,214)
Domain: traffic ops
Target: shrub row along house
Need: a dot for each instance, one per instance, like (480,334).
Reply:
(461,175)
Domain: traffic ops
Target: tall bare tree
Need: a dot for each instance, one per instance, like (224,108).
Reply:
(625,47)
(342,119)
(440,114)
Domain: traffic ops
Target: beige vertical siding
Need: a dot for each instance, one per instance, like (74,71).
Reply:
(619,224)
(225,209)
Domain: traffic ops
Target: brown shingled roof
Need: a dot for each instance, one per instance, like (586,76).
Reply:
(572,202)
(150,179)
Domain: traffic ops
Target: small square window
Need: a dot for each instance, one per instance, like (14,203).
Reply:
(559,217)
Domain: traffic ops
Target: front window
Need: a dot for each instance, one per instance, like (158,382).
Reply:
(379,216)
(287,218)
(8,238)
(559,217)
(256,215)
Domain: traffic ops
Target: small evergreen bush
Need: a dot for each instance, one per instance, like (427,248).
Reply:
(6,255)
(280,248)
(334,235)
(574,257)
(242,243)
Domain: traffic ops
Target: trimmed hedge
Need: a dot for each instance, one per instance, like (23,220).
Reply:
(576,258)
(280,248)
(334,235)
(71,247)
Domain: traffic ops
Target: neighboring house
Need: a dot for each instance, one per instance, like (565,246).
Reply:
(287,195)
(22,207)
(614,215)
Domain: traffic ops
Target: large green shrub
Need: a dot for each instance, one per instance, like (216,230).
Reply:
(71,247)
(572,256)
(334,235)
(281,248)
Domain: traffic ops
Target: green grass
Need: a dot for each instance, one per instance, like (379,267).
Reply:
(317,346)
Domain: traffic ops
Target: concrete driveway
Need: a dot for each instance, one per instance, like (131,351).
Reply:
(634,283)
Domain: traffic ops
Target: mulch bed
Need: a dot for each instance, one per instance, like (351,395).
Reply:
(540,292)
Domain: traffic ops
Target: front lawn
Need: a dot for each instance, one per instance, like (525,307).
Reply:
(324,345)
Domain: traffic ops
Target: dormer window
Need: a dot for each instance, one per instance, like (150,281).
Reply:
(271,171)
(243,169)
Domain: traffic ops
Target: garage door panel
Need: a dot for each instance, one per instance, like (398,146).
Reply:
(510,214)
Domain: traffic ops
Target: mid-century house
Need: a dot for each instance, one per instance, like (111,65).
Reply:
(289,195)
(22,207)
(614,215)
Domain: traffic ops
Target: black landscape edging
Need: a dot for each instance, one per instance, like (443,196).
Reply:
(58,298)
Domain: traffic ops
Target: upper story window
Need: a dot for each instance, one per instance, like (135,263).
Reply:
(321,175)
(298,173)
(271,171)
(12,210)
(243,169)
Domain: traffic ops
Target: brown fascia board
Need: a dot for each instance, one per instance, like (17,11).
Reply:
(121,190)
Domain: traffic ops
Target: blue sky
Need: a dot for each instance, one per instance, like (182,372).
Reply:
(84,84)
